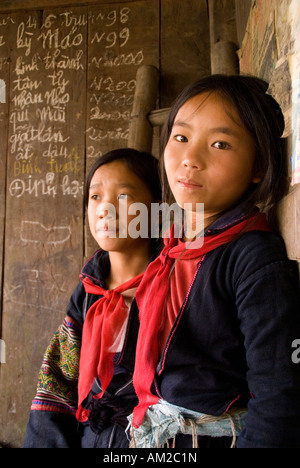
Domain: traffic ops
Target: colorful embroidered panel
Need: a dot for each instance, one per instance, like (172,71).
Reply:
(58,377)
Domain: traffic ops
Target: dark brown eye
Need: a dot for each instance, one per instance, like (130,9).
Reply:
(181,138)
(222,145)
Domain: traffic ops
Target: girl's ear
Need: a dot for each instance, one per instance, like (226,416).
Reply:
(257,179)
(258,176)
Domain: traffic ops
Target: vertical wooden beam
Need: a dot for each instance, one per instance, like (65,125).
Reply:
(223,37)
(140,129)
(224,58)
(184,46)
(242,10)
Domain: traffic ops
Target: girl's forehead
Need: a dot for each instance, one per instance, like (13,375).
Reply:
(208,102)
(116,168)
(112,172)
(118,175)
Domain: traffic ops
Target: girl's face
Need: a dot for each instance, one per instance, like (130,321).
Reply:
(113,190)
(210,155)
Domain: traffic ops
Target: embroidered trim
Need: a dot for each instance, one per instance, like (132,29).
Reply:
(57,383)
(231,403)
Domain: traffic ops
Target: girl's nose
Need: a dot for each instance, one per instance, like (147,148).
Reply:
(192,159)
(106,210)
(188,164)
(192,162)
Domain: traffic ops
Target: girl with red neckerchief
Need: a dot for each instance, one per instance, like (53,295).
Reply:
(219,313)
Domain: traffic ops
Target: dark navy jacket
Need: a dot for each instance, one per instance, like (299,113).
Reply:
(230,345)
(50,429)
(232,340)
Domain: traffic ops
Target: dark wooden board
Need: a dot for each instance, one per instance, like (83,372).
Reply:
(70,75)
(121,38)
(184,46)
(45,173)
(4,103)
(13,5)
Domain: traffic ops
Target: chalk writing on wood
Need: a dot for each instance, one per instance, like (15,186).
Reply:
(121,38)
(35,232)
(45,171)
(32,284)
(70,81)
(49,51)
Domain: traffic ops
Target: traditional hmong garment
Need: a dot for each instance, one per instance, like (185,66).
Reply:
(229,347)
(52,421)
(57,383)
(155,285)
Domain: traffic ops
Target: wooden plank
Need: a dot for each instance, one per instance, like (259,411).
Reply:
(223,37)
(289,221)
(121,39)
(222,21)
(13,5)
(184,46)
(242,8)
(52,110)
(4,90)
(44,227)
(72,82)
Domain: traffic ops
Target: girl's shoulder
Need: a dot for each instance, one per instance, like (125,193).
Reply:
(256,244)
(96,269)
(264,246)
(256,254)
(255,260)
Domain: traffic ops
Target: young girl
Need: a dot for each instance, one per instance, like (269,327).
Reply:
(213,362)
(101,324)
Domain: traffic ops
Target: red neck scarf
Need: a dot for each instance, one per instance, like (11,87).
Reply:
(150,298)
(101,338)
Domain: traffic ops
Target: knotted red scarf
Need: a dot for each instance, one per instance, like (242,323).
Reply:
(151,296)
(101,338)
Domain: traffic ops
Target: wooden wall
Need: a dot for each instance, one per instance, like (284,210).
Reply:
(270,49)
(67,80)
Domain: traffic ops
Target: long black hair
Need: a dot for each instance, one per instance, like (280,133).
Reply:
(261,116)
(142,164)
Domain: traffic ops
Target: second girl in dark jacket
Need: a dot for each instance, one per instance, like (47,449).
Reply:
(86,374)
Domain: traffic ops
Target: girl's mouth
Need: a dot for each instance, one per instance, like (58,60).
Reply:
(189,184)
(107,231)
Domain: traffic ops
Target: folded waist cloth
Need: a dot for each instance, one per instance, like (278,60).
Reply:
(163,421)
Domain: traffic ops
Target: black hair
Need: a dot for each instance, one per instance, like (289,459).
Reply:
(263,119)
(142,164)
